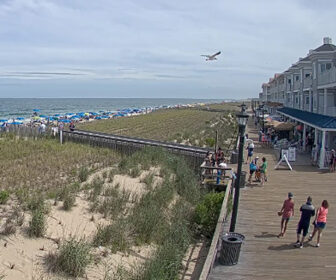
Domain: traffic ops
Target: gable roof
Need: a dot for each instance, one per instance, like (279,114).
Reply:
(326,48)
(317,120)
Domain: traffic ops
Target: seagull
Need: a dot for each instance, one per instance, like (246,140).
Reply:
(211,57)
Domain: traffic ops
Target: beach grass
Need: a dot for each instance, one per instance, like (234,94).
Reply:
(188,126)
(44,164)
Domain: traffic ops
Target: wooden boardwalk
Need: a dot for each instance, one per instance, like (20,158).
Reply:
(263,255)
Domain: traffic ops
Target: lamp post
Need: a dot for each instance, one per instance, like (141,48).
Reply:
(242,120)
(262,107)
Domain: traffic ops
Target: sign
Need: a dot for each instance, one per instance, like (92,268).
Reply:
(292,154)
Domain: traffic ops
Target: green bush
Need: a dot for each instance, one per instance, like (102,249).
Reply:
(4,195)
(207,211)
(73,257)
(37,225)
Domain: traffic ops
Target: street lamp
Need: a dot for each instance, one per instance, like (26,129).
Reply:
(242,120)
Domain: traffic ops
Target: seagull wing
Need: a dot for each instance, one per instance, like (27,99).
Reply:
(218,53)
(205,55)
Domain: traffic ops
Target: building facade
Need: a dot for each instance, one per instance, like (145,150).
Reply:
(307,91)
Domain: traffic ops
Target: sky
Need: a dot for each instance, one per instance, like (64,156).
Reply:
(146,48)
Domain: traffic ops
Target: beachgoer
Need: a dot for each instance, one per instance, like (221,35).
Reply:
(250,149)
(287,211)
(42,128)
(257,174)
(72,126)
(253,168)
(263,171)
(219,155)
(307,211)
(320,222)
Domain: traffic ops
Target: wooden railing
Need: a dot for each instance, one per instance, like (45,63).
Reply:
(216,239)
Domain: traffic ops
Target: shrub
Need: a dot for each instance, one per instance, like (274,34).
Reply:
(37,225)
(210,142)
(97,186)
(83,174)
(4,195)
(207,211)
(73,257)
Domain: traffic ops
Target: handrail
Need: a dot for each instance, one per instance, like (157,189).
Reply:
(216,242)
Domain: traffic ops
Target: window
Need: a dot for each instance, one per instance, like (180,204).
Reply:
(297,77)
(323,68)
(289,81)
(328,66)
(307,75)
(296,100)
(307,100)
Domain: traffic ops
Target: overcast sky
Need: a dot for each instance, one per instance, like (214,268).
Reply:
(147,48)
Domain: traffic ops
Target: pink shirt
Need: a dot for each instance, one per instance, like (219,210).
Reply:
(288,208)
(322,215)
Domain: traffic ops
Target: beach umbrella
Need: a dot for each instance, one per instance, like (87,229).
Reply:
(3,120)
(17,123)
(20,118)
(65,121)
(43,116)
(36,118)
(36,110)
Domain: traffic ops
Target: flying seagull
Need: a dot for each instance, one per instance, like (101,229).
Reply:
(211,57)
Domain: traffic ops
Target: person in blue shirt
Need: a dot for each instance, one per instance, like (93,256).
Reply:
(307,211)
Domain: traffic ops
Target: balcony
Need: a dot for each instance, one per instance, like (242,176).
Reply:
(307,82)
(327,77)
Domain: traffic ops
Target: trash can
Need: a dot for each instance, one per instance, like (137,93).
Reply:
(231,244)
(234,157)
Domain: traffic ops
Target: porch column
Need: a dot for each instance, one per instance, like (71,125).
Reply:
(325,100)
(304,137)
(322,152)
(315,137)
(310,101)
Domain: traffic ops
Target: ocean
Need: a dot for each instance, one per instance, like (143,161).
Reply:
(23,107)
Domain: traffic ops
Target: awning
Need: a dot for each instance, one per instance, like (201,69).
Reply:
(322,122)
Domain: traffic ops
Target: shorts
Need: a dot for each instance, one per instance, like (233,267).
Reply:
(250,154)
(302,227)
(320,225)
(286,219)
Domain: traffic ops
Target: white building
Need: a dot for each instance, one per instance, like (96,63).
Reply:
(307,90)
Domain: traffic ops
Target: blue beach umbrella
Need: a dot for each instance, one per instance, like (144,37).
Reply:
(57,115)
(65,121)
(20,118)
(16,123)
(43,116)
(3,120)
(36,110)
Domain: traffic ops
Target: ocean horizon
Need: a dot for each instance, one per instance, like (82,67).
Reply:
(23,107)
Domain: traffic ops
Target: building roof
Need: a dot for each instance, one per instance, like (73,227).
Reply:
(317,120)
(326,48)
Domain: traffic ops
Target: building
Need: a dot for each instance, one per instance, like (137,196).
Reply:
(307,91)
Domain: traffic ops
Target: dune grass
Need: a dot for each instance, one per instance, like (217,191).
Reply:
(188,126)
(44,164)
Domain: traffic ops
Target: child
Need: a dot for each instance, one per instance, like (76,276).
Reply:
(287,211)
(263,170)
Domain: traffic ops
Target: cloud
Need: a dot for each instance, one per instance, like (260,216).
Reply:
(94,41)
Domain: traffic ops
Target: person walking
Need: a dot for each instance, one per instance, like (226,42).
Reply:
(250,148)
(320,222)
(263,170)
(307,211)
(287,211)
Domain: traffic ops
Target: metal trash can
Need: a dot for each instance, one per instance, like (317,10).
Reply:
(234,157)
(231,244)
